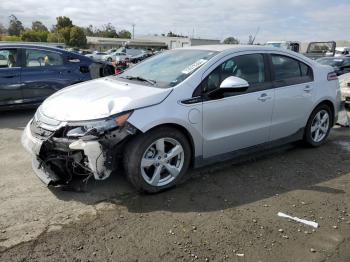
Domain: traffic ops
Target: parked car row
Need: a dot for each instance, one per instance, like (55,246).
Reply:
(31,73)
(121,54)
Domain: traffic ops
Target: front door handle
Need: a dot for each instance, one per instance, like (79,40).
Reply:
(263,97)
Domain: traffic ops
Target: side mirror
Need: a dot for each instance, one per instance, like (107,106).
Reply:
(233,83)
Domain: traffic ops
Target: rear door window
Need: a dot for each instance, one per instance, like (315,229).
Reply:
(8,58)
(289,71)
(38,58)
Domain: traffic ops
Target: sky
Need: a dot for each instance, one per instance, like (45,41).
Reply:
(296,20)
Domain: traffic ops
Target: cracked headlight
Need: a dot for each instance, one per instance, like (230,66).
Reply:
(98,127)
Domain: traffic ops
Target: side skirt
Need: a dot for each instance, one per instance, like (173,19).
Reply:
(200,161)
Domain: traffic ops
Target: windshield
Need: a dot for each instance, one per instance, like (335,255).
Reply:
(331,61)
(320,47)
(170,68)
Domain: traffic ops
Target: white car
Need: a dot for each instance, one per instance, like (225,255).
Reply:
(96,55)
(345,88)
(342,51)
(116,56)
(182,108)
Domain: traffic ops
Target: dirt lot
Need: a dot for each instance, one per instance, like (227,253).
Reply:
(226,212)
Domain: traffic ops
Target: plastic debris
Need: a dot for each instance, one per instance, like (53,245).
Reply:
(306,222)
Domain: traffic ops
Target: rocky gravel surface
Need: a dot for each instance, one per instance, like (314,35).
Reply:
(225,212)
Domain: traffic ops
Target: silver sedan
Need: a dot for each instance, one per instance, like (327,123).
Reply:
(182,108)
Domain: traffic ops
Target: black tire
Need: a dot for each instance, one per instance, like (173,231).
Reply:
(137,147)
(109,59)
(308,134)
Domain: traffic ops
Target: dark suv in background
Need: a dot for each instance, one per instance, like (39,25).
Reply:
(30,73)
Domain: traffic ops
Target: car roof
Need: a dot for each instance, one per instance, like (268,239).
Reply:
(236,48)
(43,47)
(334,57)
(18,45)
(255,48)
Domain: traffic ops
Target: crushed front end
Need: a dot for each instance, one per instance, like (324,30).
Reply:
(64,150)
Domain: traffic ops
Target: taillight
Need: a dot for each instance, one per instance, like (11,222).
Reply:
(332,76)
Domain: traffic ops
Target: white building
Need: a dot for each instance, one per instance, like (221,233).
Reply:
(147,42)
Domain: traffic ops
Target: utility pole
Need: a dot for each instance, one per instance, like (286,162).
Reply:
(133,31)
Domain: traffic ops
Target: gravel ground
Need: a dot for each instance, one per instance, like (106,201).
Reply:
(225,212)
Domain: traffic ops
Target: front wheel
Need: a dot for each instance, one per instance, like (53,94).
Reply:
(318,126)
(157,160)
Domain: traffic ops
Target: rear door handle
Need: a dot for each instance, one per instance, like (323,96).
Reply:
(307,89)
(263,97)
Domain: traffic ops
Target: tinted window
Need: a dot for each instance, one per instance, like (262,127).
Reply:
(346,62)
(8,58)
(285,67)
(42,58)
(290,71)
(249,67)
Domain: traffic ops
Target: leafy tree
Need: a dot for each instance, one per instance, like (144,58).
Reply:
(89,31)
(63,22)
(108,30)
(2,29)
(231,41)
(15,26)
(39,26)
(124,34)
(64,35)
(11,38)
(34,36)
(77,37)
(53,37)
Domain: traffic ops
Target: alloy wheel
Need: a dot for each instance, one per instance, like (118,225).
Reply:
(162,162)
(320,126)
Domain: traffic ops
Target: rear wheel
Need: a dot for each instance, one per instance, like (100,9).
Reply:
(157,160)
(318,126)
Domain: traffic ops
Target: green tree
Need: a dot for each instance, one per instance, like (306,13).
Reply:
(39,26)
(34,36)
(63,22)
(77,37)
(15,27)
(124,34)
(53,37)
(64,35)
(108,30)
(3,29)
(231,41)
(89,31)
(11,38)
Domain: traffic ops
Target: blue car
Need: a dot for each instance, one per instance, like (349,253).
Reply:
(31,73)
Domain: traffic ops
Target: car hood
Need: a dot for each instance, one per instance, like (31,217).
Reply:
(100,98)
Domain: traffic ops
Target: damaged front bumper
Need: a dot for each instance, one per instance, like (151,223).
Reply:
(58,159)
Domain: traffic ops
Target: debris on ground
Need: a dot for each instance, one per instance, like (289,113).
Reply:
(306,222)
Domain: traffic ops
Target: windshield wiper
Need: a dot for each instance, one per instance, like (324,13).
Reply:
(140,78)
